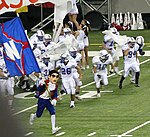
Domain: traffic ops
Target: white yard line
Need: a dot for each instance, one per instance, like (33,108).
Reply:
(81,88)
(91,134)
(28,134)
(60,134)
(24,110)
(126,133)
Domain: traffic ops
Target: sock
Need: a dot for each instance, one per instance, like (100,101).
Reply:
(72,103)
(53,121)
(98,90)
(122,79)
(137,74)
(116,69)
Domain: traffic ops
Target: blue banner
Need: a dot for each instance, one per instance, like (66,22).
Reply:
(18,55)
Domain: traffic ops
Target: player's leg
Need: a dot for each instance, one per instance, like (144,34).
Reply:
(10,90)
(97,79)
(126,72)
(73,91)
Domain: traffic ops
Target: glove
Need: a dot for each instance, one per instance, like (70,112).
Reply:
(143,53)
(53,102)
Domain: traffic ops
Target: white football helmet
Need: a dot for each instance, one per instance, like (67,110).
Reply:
(113,30)
(40,35)
(140,40)
(107,38)
(73,52)
(130,40)
(67,30)
(64,57)
(103,55)
(47,37)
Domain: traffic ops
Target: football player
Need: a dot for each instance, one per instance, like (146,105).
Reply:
(140,42)
(77,56)
(66,66)
(6,82)
(100,69)
(130,61)
(108,45)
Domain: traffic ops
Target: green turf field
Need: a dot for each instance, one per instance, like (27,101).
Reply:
(124,112)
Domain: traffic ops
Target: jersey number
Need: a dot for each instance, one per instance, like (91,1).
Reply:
(101,66)
(130,53)
(66,71)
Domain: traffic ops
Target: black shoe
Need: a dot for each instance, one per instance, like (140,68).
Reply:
(137,85)
(62,92)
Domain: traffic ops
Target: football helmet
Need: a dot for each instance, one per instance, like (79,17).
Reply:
(40,35)
(107,39)
(140,41)
(113,30)
(46,60)
(131,41)
(64,57)
(73,52)
(103,55)
(67,30)
(47,39)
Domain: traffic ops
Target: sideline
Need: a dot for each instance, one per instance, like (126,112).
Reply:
(81,88)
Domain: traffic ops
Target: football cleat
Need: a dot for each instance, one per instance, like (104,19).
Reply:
(31,119)
(72,106)
(56,130)
(98,95)
(137,85)
(133,81)
(87,66)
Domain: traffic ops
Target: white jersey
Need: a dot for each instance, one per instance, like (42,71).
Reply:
(34,40)
(109,43)
(66,71)
(78,58)
(45,69)
(101,67)
(1,52)
(131,57)
(37,52)
(3,67)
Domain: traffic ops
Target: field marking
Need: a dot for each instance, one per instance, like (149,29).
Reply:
(28,134)
(80,87)
(91,134)
(59,134)
(24,110)
(23,95)
(92,94)
(125,134)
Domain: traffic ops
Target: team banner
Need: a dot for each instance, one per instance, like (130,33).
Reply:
(18,55)
(61,6)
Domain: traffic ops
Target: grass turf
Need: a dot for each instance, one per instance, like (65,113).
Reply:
(112,114)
